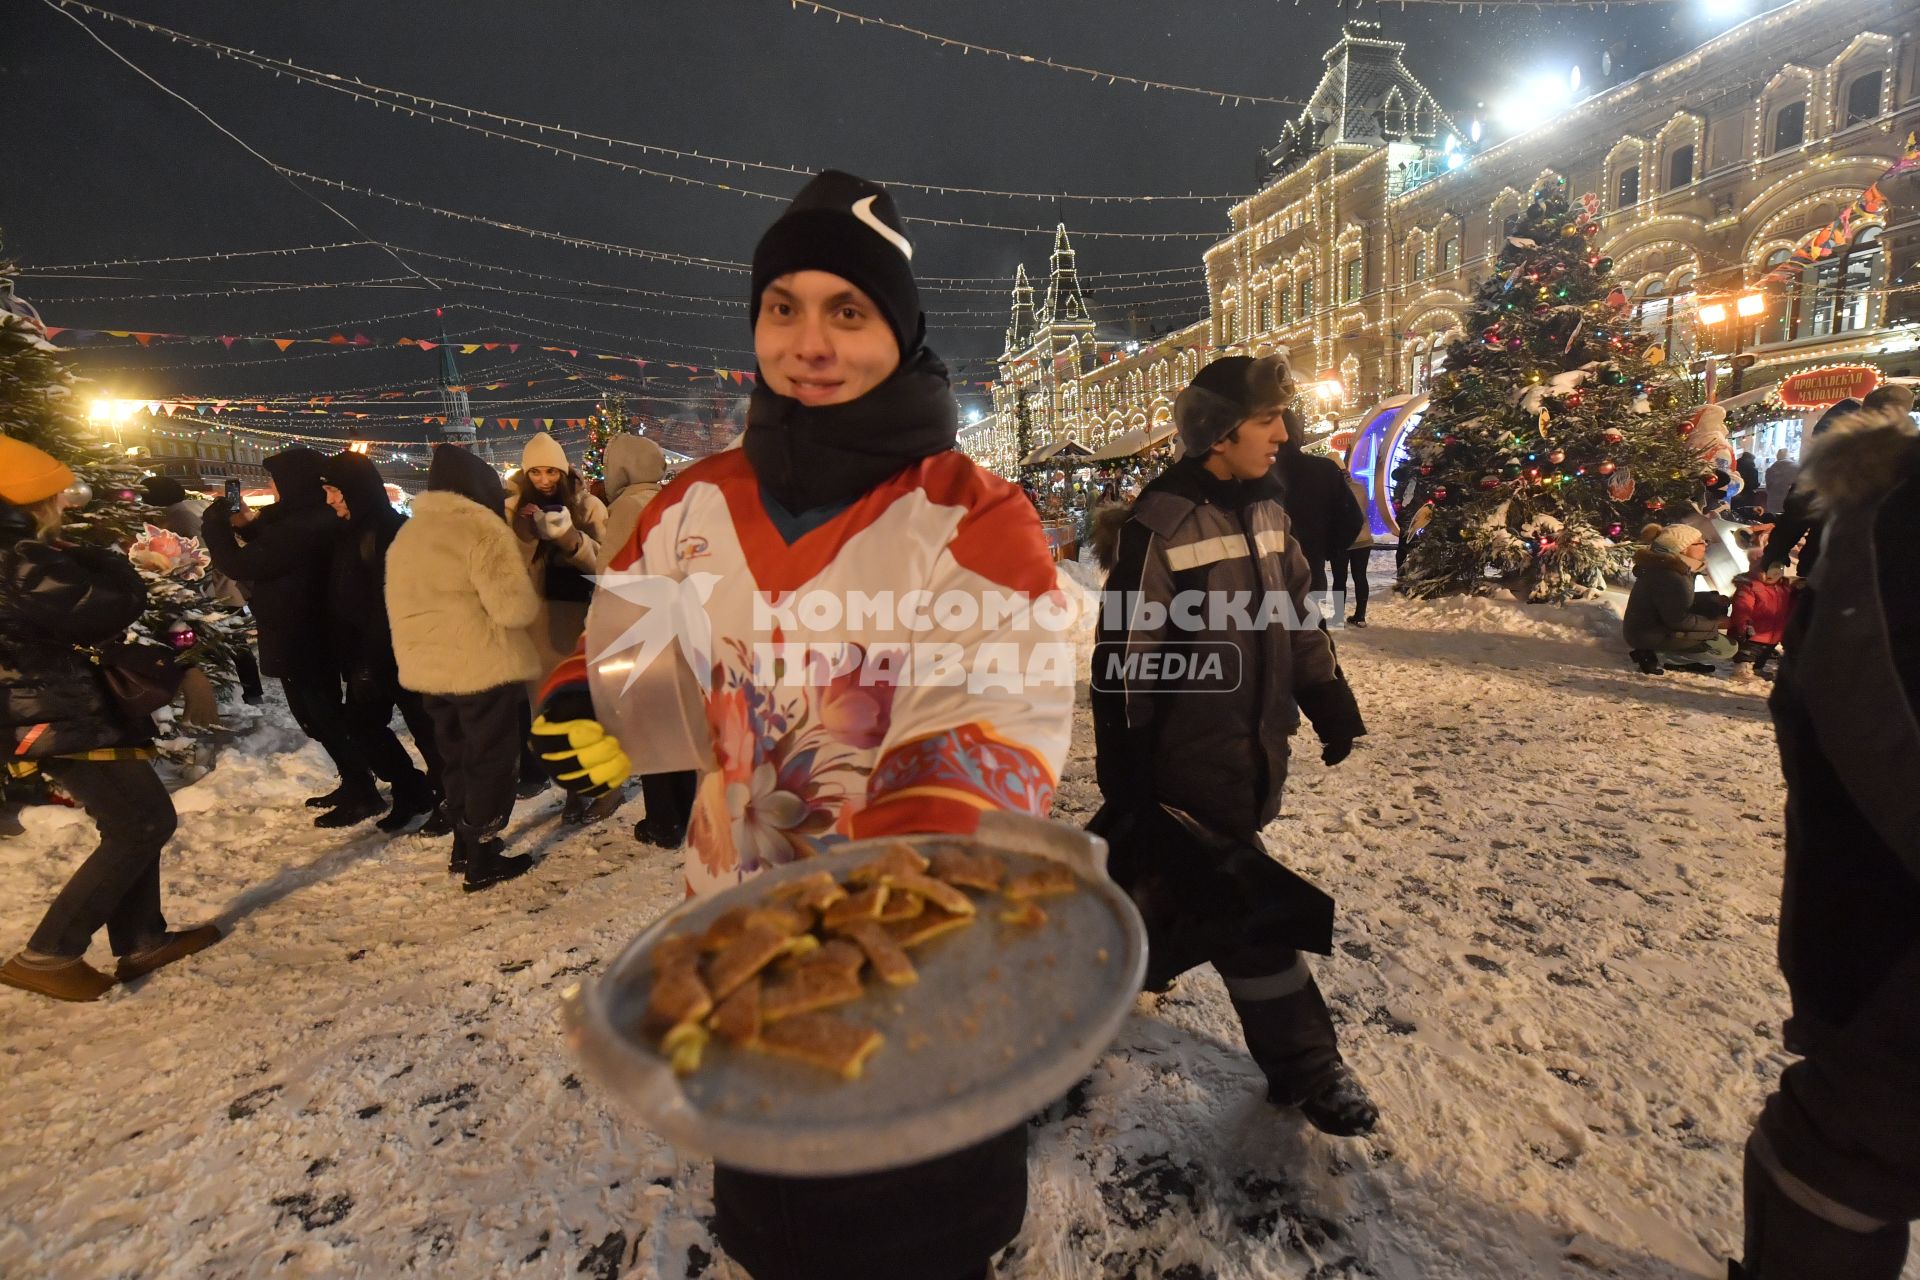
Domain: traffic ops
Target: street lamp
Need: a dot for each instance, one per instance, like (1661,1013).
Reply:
(1747,307)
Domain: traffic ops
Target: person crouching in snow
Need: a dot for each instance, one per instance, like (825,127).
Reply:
(560,526)
(460,603)
(1665,616)
(1192,766)
(847,480)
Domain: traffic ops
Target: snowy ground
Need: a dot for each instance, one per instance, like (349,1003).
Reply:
(1558,884)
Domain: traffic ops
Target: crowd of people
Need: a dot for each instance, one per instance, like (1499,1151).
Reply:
(467,618)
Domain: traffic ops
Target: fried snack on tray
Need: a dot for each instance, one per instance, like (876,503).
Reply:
(929,924)
(835,953)
(746,955)
(682,948)
(864,905)
(938,892)
(897,859)
(785,920)
(737,1020)
(823,1040)
(969,870)
(809,987)
(889,960)
(726,926)
(683,1046)
(816,892)
(1054,877)
(900,906)
(678,994)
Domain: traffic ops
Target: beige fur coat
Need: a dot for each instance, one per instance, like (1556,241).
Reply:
(459,600)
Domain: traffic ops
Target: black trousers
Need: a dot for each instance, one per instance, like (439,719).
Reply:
(943,1219)
(478,737)
(352,725)
(669,800)
(1353,562)
(247,671)
(119,884)
(1755,654)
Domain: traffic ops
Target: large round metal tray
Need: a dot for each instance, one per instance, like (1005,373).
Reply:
(1004,1019)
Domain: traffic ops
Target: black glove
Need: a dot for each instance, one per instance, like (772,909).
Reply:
(1334,752)
(1334,713)
(574,749)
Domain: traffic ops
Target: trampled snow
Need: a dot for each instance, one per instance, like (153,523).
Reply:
(1558,884)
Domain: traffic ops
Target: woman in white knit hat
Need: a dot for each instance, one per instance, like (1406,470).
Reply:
(1665,616)
(560,526)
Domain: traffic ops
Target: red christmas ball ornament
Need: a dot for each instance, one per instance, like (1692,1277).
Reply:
(1613,435)
(1654,504)
(1605,468)
(1426,469)
(1592,229)
(1449,441)
(1489,482)
(1557,456)
(182,637)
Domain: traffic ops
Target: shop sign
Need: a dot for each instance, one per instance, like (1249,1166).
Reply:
(1829,384)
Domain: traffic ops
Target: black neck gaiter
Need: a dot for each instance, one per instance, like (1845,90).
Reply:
(808,457)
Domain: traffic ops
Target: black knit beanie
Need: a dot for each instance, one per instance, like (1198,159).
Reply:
(849,227)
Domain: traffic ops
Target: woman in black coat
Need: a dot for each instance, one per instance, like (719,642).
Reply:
(362,642)
(57,715)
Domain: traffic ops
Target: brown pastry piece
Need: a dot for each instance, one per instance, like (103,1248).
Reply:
(930,923)
(900,906)
(746,955)
(970,870)
(1054,877)
(787,920)
(810,987)
(1024,913)
(726,926)
(864,905)
(822,1039)
(683,1046)
(840,954)
(737,1020)
(896,859)
(678,995)
(938,892)
(889,961)
(816,892)
(679,949)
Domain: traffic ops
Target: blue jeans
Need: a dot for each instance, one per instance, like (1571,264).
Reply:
(119,884)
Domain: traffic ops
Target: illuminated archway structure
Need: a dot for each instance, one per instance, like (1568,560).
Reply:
(1379,447)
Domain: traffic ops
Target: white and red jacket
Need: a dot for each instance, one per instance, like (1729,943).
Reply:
(802,763)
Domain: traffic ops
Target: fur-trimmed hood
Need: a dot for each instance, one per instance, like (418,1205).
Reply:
(1860,457)
(1107,521)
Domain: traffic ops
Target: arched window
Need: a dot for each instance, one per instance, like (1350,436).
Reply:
(1306,298)
(1837,292)
(1420,263)
(1863,100)
(1680,167)
(1356,280)
(1777,328)
(1284,292)
(1789,126)
(1450,254)
(1627,191)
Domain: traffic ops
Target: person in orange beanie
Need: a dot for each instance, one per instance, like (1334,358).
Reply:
(58,715)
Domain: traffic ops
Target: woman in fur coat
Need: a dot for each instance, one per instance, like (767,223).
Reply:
(560,528)
(460,603)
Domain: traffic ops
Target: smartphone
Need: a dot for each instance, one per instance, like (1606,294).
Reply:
(233,493)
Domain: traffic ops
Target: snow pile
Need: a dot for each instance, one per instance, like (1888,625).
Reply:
(1554,967)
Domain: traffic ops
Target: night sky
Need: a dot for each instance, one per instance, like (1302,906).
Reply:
(107,166)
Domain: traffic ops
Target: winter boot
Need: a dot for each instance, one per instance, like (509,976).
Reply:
(1291,1037)
(440,824)
(178,944)
(1694,668)
(357,807)
(581,812)
(332,798)
(488,865)
(413,804)
(457,862)
(533,776)
(1785,1241)
(1647,660)
(62,977)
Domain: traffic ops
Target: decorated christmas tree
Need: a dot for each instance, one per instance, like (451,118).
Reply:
(610,419)
(40,404)
(1556,430)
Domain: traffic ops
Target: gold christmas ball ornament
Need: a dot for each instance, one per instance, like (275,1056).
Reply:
(1655,354)
(1545,420)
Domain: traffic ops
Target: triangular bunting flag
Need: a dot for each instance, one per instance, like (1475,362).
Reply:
(546,424)
(52,330)
(143,338)
(226,342)
(513,346)
(362,340)
(283,343)
(425,345)
(337,340)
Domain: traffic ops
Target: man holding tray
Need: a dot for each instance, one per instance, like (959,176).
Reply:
(875,657)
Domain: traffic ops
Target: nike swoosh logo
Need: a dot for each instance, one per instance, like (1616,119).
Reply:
(863,210)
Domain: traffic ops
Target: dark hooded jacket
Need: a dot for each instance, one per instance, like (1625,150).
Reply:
(357,626)
(1216,750)
(284,556)
(54,599)
(1318,503)
(1846,710)
(1798,523)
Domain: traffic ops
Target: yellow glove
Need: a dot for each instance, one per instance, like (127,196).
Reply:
(580,755)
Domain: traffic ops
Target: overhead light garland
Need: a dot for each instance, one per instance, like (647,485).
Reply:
(383,96)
